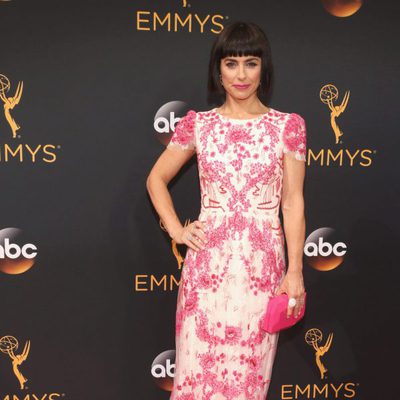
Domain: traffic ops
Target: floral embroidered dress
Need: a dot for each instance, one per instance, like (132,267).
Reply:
(221,350)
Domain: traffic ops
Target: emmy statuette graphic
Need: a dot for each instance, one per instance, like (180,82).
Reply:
(10,102)
(8,344)
(328,94)
(313,337)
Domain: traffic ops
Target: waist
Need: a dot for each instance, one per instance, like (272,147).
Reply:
(250,213)
(238,226)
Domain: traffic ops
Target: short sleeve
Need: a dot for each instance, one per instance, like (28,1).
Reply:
(184,134)
(295,137)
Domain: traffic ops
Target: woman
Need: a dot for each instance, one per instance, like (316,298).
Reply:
(251,160)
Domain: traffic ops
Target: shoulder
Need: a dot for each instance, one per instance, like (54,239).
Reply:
(290,122)
(294,136)
(288,117)
(296,119)
(187,122)
(184,132)
(293,119)
(192,117)
(189,116)
(295,126)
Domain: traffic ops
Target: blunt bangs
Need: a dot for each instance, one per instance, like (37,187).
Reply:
(240,42)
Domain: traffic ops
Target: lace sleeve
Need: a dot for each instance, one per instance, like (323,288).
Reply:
(184,135)
(295,137)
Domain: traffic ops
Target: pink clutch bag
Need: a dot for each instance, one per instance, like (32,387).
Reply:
(275,318)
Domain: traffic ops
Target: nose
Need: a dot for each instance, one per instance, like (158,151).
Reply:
(241,72)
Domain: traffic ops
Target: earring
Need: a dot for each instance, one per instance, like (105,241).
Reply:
(220,79)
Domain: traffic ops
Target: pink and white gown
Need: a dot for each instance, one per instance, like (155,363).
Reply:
(221,350)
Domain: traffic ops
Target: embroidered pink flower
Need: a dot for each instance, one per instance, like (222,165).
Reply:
(204,281)
(238,133)
(231,391)
(207,360)
(294,136)
(238,222)
(184,134)
(254,362)
(203,334)
(191,302)
(250,385)
(232,334)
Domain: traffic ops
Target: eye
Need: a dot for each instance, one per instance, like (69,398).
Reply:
(252,64)
(230,64)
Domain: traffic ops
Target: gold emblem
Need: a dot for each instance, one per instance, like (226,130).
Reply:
(8,344)
(313,337)
(328,94)
(10,102)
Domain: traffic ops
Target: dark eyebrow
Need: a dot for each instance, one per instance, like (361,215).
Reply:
(249,59)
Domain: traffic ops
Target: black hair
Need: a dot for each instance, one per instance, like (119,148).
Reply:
(236,40)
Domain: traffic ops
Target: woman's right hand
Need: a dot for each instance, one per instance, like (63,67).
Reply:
(192,235)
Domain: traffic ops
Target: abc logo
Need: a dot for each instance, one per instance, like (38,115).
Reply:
(323,250)
(17,255)
(166,119)
(163,370)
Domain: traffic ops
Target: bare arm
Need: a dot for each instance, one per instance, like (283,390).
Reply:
(294,227)
(164,170)
(293,211)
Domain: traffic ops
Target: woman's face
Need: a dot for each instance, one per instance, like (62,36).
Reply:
(240,75)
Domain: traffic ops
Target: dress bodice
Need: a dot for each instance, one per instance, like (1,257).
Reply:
(240,161)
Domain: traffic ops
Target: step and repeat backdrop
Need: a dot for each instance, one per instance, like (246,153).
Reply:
(90,93)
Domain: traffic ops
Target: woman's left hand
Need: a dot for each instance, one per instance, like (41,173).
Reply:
(293,286)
